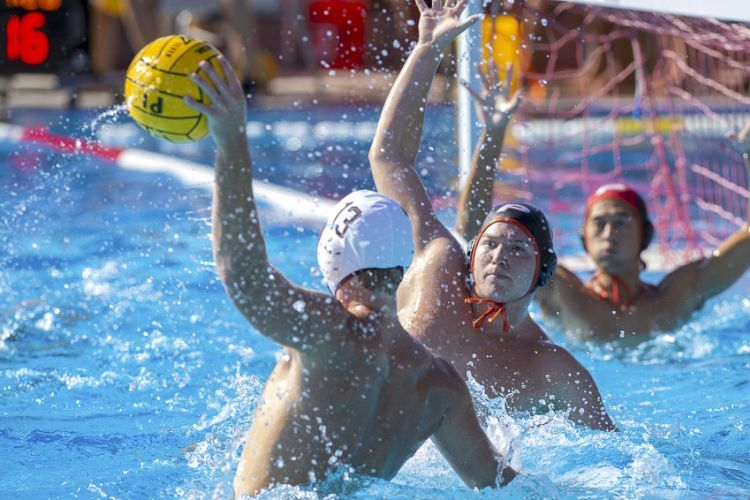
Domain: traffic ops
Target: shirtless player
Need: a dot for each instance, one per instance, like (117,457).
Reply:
(615,303)
(512,257)
(352,388)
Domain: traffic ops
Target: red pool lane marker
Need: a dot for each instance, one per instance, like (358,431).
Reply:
(42,136)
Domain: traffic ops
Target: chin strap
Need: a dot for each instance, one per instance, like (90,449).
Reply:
(496,309)
(618,285)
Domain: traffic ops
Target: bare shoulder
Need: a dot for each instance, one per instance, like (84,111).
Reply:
(440,268)
(444,249)
(355,336)
(565,275)
(565,376)
(572,385)
(564,288)
(679,286)
(566,283)
(554,360)
(681,276)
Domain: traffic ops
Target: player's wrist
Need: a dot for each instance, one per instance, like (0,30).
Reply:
(231,135)
(430,46)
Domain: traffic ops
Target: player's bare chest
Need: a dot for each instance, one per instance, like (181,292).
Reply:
(647,312)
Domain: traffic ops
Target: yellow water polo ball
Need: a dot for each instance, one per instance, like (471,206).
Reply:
(158,79)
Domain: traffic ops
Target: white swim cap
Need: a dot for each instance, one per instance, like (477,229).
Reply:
(365,231)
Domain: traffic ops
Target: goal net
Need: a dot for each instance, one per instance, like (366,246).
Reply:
(625,95)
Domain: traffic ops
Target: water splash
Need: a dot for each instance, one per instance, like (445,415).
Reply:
(112,115)
(216,455)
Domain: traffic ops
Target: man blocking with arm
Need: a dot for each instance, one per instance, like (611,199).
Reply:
(474,311)
(495,107)
(353,389)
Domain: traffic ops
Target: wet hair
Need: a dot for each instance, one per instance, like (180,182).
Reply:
(380,280)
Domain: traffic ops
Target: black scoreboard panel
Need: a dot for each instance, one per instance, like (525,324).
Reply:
(43,36)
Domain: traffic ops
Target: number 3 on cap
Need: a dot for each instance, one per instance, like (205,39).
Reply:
(343,226)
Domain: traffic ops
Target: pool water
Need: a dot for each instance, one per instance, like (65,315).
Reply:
(126,372)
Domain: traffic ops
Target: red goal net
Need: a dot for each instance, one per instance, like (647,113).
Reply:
(640,97)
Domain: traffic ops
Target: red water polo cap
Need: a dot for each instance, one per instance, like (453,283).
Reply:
(614,191)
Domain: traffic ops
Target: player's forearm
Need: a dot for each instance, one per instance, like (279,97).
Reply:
(490,471)
(500,475)
(506,475)
(475,200)
(399,129)
(238,244)
(139,18)
(727,264)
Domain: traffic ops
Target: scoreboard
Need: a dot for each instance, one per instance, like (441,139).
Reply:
(43,36)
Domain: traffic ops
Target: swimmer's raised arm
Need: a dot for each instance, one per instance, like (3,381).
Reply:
(495,107)
(727,264)
(399,132)
(290,315)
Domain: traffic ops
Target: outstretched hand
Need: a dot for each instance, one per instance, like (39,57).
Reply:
(495,104)
(441,24)
(227,111)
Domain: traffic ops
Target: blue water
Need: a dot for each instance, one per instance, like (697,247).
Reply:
(126,372)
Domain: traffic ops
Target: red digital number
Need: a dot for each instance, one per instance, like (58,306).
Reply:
(34,4)
(25,39)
